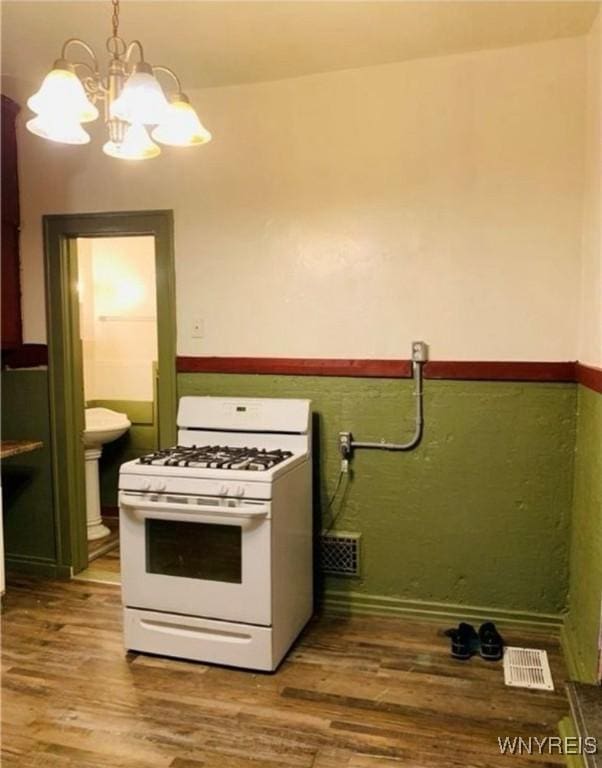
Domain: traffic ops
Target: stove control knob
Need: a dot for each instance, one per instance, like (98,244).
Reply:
(160,486)
(146,486)
(223,491)
(240,491)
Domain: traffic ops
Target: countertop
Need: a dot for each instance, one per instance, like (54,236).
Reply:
(15,447)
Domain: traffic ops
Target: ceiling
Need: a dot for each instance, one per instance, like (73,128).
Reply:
(224,43)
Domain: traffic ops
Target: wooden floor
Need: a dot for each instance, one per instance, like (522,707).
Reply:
(103,559)
(98,547)
(105,568)
(355,693)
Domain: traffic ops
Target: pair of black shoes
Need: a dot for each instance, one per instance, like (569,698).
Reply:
(465,641)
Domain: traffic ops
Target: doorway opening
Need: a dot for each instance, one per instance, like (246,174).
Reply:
(118,331)
(111,320)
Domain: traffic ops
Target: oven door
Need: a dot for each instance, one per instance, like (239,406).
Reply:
(199,556)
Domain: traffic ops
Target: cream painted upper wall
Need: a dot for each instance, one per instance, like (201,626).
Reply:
(346,214)
(590,316)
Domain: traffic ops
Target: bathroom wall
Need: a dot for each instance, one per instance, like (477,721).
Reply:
(118,325)
(118,317)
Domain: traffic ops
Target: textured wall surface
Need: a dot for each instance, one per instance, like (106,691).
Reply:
(27,480)
(590,314)
(585,594)
(437,199)
(478,515)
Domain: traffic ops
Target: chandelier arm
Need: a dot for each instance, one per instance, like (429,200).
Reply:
(85,46)
(130,48)
(91,80)
(75,64)
(168,71)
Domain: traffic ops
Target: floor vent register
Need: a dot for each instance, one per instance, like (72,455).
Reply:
(527,668)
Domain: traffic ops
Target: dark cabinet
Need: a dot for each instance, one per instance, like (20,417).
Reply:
(11,280)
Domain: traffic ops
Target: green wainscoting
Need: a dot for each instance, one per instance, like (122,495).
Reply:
(138,440)
(567,730)
(29,525)
(475,520)
(582,626)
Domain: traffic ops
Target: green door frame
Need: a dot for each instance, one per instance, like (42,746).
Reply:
(65,356)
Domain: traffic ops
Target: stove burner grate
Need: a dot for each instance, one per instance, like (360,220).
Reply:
(216,457)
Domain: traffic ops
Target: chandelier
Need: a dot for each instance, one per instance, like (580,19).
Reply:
(134,101)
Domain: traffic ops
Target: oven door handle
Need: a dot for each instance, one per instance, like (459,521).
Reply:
(168,510)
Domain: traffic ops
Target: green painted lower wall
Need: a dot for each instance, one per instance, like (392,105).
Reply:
(29,525)
(138,440)
(477,518)
(478,515)
(567,730)
(582,626)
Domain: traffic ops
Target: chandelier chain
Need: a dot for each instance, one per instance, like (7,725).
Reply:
(115,18)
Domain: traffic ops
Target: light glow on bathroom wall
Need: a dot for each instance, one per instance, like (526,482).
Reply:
(118,317)
(128,294)
(117,288)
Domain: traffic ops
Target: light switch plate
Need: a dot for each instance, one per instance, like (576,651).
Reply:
(198,328)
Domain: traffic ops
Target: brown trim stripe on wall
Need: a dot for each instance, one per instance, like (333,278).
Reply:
(495,370)
(31,355)
(466,370)
(436,369)
(25,356)
(296,366)
(589,377)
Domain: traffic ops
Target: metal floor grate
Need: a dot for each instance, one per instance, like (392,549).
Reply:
(527,668)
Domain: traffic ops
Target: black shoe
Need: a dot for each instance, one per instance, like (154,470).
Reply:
(492,643)
(464,641)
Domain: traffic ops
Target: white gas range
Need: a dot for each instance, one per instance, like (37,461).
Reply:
(216,534)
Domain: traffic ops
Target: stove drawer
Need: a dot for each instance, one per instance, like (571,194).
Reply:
(189,637)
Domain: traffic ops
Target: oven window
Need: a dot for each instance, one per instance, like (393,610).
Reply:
(194,550)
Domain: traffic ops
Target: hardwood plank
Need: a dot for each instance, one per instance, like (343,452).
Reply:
(354,693)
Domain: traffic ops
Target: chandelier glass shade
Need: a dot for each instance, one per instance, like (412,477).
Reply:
(62,130)
(62,93)
(136,145)
(134,102)
(141,101)
(181,126)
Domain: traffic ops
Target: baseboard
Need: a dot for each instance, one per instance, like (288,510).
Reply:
(575,667)
(358,603)
(37,567)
